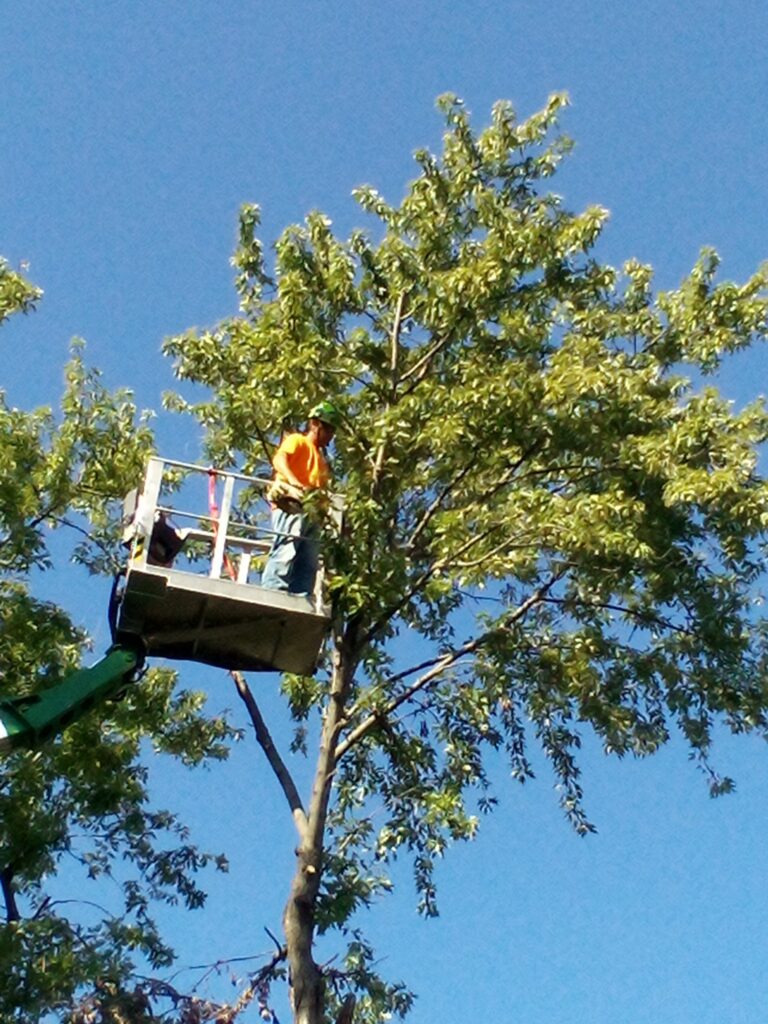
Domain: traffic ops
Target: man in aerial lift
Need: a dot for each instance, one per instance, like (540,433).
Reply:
(300,466)
(176,626)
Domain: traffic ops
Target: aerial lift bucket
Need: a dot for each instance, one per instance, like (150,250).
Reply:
(203,602)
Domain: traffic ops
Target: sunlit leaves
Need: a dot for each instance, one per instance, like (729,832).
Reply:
(550,526)
(84,798)
(17,294)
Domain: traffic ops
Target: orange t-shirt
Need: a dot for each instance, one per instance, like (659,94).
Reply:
(306,460)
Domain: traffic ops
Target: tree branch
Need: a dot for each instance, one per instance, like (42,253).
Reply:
(395,343)
(49,904)
(276,763)
(425,577)
(11,907)
(420,368)
(32,524)
(503,480)
(266,445)
(343,669)
(644,618)
(440,664)
(504,546)
(394,347)
(422,524)
(299,914)
(63,521)
(347,1011)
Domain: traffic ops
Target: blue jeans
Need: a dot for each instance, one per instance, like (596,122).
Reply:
(292,561)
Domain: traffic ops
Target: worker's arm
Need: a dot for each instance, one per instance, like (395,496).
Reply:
(283,470)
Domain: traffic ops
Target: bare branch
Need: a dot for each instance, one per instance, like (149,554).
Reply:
(276,762)
(394,343)
(419,369)
(224,962)
(49,904)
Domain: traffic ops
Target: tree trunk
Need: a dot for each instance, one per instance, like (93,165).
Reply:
(299,924)
(307,984)
(11,907)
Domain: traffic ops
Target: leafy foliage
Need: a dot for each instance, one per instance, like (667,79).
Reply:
(83,800)
(551,524)
(554,522)
(17,295)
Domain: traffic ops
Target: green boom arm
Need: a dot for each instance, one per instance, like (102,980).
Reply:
(28,721)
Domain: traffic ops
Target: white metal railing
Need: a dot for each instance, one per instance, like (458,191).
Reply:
(231,541)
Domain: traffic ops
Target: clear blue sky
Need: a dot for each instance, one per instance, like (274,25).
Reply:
(131,133)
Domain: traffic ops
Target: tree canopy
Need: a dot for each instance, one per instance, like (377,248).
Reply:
(554,521)
(83,800)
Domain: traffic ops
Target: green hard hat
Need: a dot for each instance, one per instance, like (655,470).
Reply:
(326,412)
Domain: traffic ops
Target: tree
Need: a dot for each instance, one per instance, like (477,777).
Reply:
(553,523)
(84,799)
(526,426)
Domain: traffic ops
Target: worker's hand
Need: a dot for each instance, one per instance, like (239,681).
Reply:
(280,491)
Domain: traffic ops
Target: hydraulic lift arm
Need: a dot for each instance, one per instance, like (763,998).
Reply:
(26,722)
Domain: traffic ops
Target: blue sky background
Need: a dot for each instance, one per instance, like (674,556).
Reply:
(131,133)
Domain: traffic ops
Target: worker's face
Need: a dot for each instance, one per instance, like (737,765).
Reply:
(323,432)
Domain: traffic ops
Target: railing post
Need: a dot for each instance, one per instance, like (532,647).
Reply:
(145,511)
(222,527)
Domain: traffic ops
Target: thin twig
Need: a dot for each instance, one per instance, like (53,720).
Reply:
(48,904)
(215,965)
(274,939)
(643,618)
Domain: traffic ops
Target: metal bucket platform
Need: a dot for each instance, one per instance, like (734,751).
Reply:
(220,622)
(192,609)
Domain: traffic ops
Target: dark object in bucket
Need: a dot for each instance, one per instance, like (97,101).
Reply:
(164,544)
